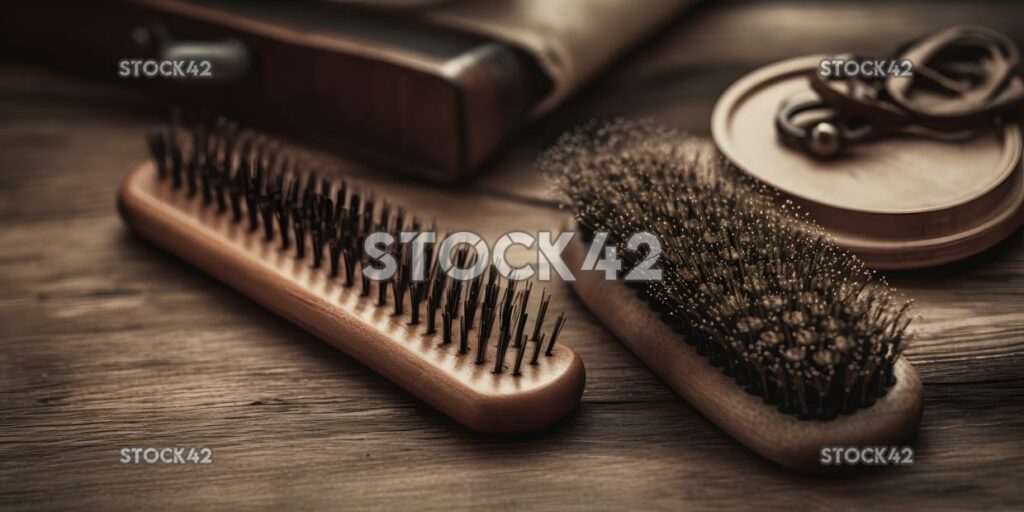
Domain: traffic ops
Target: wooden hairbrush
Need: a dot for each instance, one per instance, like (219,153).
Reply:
(238,207)
(765,326)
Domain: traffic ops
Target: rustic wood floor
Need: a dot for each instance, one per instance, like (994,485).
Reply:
(107,342)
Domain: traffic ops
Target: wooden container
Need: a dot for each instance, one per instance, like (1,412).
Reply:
(900,202)
(391,91)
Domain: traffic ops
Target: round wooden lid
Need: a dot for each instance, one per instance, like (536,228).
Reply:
(899,202)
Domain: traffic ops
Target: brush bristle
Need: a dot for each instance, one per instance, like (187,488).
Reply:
(259,183)
(746,277)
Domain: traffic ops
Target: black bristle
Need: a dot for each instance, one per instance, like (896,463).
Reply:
(559,323)
(487,315)
(520,326)
(537,344)
(416,291)
(284,226)
(353,210)
(318,238)
(472,300)
(463,336)
(310,190)
(268,205)
(334,248)
(520,352)
(206,171)
(453,298)
(252,189)
(369,208)
(235,190)
(400,284)
(299,226)
(446,327)
(504,335)
(364,290)
(349,257)
(253,179)
(438,283)
(382,292)
(524,300)
(543,310)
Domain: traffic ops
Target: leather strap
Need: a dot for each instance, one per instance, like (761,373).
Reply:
(964,79)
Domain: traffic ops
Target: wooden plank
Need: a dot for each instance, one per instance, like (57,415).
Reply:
(108,342)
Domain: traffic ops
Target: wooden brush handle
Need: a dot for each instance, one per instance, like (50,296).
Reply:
(783,438)
(469,393)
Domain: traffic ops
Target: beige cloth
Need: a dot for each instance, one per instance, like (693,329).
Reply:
(570,39)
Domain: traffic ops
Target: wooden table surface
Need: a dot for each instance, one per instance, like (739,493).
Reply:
(107,342)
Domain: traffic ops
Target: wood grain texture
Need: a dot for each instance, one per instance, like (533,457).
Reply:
(108,342)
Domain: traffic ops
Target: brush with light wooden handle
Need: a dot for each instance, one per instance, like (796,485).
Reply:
(782,339)
(233,205)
